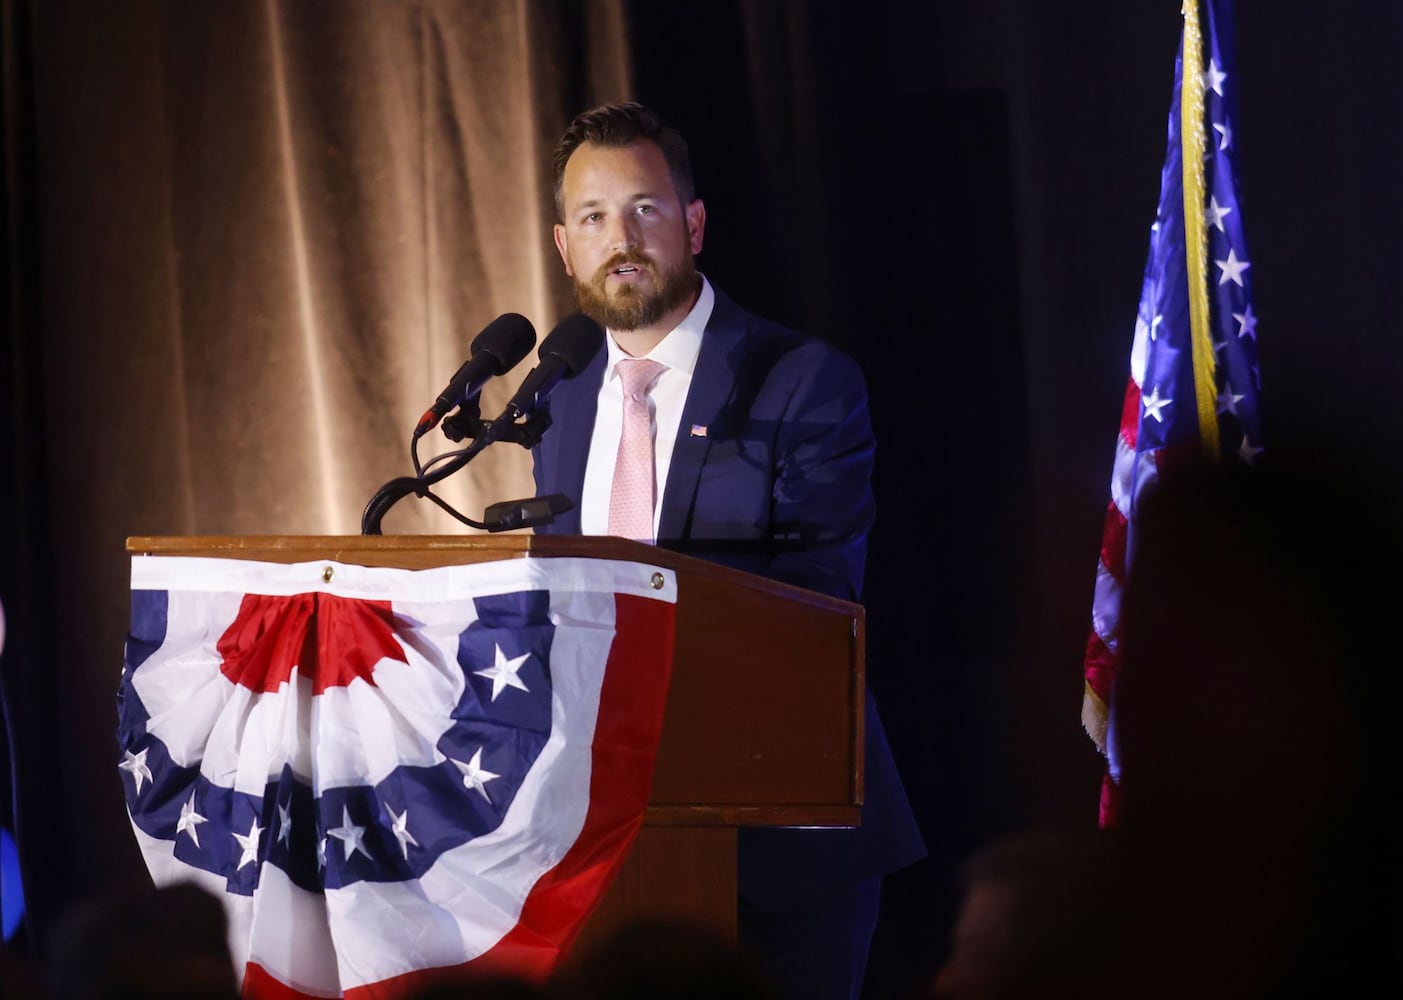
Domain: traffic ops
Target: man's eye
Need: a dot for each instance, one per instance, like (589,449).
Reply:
(646,209)
(593,217)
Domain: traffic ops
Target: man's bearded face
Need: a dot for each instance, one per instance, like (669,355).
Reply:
(630,305)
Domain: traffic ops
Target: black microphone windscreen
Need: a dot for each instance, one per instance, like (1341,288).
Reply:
(575,340)
(507,339)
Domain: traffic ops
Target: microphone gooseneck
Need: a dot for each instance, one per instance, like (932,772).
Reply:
(570,346)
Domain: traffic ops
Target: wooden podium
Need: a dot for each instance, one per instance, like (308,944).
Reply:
(764,715)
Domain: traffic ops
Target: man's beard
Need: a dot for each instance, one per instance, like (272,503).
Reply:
(629,307)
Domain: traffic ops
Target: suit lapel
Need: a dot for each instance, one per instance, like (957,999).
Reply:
(573,406)
(713,381)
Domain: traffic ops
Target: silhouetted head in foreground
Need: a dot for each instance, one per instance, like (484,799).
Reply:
(1254,715)
(662,958)
(1039,918)
(148,943)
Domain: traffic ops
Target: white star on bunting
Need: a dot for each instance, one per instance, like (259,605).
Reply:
(136,764)
(350,835)
(475,776)
(249,843)
(401,831)
(284,823)
(189,820)
(503,673)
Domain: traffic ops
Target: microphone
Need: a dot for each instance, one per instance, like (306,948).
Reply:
(564,353)
(495,351)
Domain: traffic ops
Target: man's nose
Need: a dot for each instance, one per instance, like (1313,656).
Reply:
(623,233)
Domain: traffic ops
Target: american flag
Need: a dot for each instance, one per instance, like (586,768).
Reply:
(387,773)
(1194,381)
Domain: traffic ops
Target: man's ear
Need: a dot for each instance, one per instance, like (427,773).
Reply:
(562,245)
(696,225)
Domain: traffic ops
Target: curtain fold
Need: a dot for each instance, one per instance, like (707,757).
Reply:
(265,235)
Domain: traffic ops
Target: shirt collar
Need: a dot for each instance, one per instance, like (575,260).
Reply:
(679,349)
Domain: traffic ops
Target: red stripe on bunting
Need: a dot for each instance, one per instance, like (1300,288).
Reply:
(272,634)
(258,983)
(625,748)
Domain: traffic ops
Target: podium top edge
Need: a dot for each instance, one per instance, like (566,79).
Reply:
(429,551)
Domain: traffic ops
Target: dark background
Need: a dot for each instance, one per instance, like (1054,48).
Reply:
(959,193)
(962,199)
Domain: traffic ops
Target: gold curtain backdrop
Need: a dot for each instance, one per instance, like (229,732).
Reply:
(269,232)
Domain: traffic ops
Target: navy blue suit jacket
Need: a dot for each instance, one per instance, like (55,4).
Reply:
(771,473)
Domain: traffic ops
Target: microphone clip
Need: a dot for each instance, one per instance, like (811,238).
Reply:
(465,423)
(468,423)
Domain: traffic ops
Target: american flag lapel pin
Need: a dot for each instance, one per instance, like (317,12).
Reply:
(699,430)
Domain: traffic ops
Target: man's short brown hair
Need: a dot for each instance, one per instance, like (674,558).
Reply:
(616,125)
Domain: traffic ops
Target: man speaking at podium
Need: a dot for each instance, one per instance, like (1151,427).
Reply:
(709,430)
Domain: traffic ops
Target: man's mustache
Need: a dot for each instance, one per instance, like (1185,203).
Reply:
(623,260)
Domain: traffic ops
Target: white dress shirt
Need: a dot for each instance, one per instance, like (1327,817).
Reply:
(677,352)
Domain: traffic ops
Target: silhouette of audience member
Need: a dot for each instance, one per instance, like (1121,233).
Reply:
(1258,753)
(166,943)
(19,979)
(1253,853)
(1039,915)
(662,958)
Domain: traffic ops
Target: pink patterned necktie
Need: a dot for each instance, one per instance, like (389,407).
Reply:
(631,500)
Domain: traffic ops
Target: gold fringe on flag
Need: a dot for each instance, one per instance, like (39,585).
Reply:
(1191,133)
